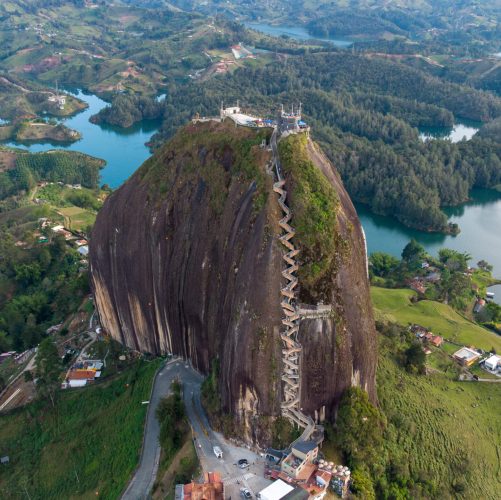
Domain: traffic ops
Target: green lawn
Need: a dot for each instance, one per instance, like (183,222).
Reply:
(89,444)
(78,218)
(395,305)
(442,430)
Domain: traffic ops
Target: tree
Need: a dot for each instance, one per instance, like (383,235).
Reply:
(362,484)
(48,369)
(382,263)
(415,358)
(360,427)
(484,265)
(413,252)
(455,261)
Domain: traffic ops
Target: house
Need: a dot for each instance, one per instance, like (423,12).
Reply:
(493,363)
(433,277)
(211,489)
(435,340)
(275,491)
(316,485)
(63,232)
(466,356)
(274,456)
(418,330)
(340,481)
(79,378)
(417,285)
(43,222)
(299,462)
(479,305)
(83,250)
(80,243)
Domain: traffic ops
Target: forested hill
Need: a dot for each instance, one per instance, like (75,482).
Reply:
(20,171)
(364,112)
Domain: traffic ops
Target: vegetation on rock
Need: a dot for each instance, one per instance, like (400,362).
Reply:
(314,204)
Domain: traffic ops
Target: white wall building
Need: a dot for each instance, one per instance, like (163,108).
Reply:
(275,491)
(493,363)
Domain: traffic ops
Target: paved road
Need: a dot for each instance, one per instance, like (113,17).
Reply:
(204,439)
(144,477)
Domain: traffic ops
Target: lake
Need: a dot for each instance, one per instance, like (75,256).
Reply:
(479,220)
(464,129)
(497,291)
(296,32)
(123,150)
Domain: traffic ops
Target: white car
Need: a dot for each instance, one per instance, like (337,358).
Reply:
(218,452)
(245,493)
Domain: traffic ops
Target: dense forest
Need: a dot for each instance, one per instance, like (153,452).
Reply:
(364,112)
(55,166)
(126,109)
(39,285)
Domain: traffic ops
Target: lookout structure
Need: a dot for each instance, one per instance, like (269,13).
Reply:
(291,121)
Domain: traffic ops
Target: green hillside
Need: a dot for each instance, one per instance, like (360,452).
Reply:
(443,434)
(396,306)
(87,447)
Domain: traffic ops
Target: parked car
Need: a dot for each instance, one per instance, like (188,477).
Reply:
(218,452)
(245,493)
(243,463)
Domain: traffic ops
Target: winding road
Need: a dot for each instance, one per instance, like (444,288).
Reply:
(204,438)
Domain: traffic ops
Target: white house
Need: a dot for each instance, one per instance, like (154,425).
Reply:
(493,363)
(275,491)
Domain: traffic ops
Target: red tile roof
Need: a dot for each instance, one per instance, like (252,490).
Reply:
(82,375)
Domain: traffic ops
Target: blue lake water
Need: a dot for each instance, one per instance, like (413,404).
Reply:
(123,150)
(479,220)
(296,32)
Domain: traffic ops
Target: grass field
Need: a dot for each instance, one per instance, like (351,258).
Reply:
(85,448)
(395,305)
(77,218)
(448,433)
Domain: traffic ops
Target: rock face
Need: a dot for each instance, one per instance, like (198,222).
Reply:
(185,259)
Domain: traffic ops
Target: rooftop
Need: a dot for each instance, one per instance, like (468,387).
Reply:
(82,375)
(493,360)
(466,353)
(304,446)
(276,490)
(211,489)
